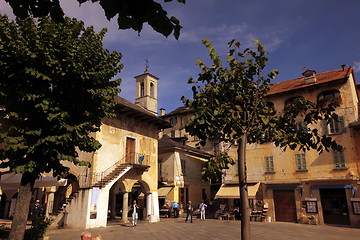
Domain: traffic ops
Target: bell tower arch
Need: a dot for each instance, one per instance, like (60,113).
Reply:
(146,91)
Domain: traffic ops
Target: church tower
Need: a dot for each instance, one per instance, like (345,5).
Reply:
(146,91)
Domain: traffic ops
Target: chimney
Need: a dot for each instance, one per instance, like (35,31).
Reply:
(343,66)
(309,76)
(162,112)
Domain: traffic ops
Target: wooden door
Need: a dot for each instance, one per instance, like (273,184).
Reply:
(334,206)
(130,150)
(285,208)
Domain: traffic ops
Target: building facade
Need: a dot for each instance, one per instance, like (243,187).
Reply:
(180,168)
(307,187)
(124,169)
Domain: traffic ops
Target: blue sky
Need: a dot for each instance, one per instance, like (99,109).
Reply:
(298,34)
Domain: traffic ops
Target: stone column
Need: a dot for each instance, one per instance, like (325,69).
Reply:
(125,208)
(113,206)
(148,205)
(50,200)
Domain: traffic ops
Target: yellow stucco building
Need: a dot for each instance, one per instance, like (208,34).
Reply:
(307,187)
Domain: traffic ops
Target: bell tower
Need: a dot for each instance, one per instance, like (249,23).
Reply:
(146,91)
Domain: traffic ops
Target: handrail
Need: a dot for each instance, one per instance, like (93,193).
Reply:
(88,180)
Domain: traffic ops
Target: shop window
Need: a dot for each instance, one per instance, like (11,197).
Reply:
(300,162)
(269,164)
(339,160)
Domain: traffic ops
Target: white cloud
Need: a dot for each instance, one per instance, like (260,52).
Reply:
(356,66)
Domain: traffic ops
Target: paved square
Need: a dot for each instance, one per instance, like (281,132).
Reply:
(210,229)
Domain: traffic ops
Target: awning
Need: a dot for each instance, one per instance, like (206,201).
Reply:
(333,186)
(232,191)
(163,191)
(11,181)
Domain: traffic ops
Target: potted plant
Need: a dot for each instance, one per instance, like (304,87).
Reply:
(312,220)
(38,229)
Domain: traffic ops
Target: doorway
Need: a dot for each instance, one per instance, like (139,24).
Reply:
(130,150)
(334,206)
(285,208)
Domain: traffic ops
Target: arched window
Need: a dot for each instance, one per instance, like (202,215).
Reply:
(142,90)
(291,100)
(332,96)
(152,90)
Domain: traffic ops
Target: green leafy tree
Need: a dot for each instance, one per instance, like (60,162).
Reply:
(231,105)
(55,87)
(213,169)
(131,14)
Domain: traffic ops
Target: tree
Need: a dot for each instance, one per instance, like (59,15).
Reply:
(230,104)
(132,14)
(55,88)
(213,169)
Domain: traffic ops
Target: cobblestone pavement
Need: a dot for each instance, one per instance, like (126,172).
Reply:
(176,229)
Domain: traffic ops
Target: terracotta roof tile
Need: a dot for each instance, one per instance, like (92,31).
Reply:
(299,83)
(177,111)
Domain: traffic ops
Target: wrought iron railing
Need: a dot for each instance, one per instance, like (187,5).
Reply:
(87,179)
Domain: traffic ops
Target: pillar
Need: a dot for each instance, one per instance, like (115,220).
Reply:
(50,200)
(152,204)
(113,206)
(125,207)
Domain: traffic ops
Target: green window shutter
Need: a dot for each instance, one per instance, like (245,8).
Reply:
(342,124)
(325,127)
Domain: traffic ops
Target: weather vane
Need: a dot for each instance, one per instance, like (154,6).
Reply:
(146,65)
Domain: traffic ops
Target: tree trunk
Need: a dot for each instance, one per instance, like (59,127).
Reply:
(244,202)
(19,221)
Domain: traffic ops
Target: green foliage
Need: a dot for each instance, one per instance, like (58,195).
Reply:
(132,14)
(212,170)
(231,101)
(38,228)
(55,88)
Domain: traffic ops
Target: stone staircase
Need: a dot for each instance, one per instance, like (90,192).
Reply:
(119,170)
(58,217)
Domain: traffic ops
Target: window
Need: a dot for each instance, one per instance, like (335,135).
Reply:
(293,100)
(216,149)
(183,167)
(172,133)
(335,126)
(142,90)
(300,162)
(301,126)
(152,90)
(339,160)
(173,120)
(327,97)
(269,164)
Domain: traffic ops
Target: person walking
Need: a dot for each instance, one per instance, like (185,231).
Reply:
(190,211)
(202,207)
(135,213)
(175,208)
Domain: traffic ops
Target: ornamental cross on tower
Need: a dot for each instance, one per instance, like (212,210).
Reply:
(146,65)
